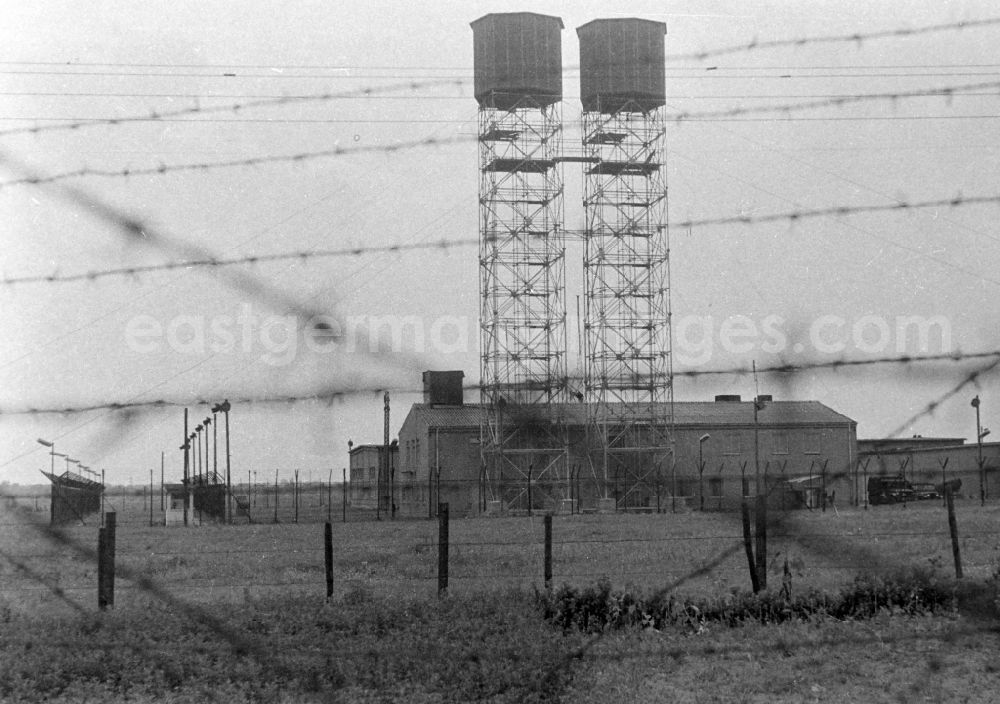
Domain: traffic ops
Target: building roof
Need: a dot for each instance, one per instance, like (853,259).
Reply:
(393,447)
(72,480)
(686,413)
(917,442)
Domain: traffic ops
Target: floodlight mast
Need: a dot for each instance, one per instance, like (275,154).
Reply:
(52,453)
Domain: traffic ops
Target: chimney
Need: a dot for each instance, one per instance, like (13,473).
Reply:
(443,388)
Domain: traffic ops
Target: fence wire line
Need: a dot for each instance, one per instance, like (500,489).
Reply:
(136,231)
(204,617)
(155,115)
(838,101)
(340,551)
(932,406)
(244,646)
(331,394)
(36,179)
(679,117)
(854,38)
(303,255)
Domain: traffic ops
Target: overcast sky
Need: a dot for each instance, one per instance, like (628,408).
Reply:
(798,291)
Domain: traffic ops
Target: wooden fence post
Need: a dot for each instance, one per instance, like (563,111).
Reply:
(548,550)
(106,562)
(761,520)
(442,549)
(328,553)
(953,529)
(748,545)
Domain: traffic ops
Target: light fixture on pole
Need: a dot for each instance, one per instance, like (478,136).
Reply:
(197,444)
(52,453)
(979,454)
(207,422)
(224,408)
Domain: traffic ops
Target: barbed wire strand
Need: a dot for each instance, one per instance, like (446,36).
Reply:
(303,255)
(136,231)
(854,38)
(301,157)
(237,107)
(971,378)
(128,172)
(329,394)
(945,91)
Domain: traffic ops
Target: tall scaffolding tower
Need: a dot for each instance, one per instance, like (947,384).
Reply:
(628,379)
(518,85)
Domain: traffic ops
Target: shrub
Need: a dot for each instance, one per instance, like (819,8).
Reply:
(599,608)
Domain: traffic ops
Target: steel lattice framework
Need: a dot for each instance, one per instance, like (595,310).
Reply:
(628,374)
(522,287)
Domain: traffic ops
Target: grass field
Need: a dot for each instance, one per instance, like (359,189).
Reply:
(225,612)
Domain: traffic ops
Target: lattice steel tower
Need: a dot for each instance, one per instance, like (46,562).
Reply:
(628,380)
(518,85)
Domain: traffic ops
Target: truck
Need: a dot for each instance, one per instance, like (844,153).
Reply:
(889,490)
(895,489)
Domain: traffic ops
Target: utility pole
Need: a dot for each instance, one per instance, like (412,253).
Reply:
(224,407)
(389,469)
(756,432)
(187,483)
(979,453)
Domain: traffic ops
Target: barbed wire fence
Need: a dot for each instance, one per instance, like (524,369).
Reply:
(142,569)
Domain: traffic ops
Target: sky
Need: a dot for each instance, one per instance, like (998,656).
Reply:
(382,75)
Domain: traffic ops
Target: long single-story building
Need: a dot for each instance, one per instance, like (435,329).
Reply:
(935,461)
(717,451)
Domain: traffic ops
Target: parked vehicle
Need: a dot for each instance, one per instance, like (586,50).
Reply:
(889,490)
(926,491)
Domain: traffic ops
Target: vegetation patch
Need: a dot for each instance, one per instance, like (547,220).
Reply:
(490,646)
(598,608)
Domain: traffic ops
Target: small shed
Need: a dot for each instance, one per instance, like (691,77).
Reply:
(798,493)
(177,495)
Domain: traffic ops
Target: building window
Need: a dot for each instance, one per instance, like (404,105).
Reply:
(812,442)
(715,487)
(780,439)
(731,444)
(371,474)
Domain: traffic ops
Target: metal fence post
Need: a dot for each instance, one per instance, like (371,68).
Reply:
(548,551)
(748,545)
(761,540)
(953,529)
(328,554)
(442,549)
(106,562)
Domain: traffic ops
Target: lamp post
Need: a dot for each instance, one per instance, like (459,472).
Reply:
(979,454)
(215,446)
(207,422)
(701,470)
(52,452)
(224,408)
(197,444)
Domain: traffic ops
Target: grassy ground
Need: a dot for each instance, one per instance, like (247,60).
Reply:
(215,563)
(236,613)
(490,646)
(889,659)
